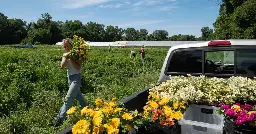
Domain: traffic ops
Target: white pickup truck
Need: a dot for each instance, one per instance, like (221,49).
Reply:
(218,58)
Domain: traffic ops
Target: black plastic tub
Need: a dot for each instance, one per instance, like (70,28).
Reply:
(67,130)
(136,101)
(151,128)
(154,128)
(231,128)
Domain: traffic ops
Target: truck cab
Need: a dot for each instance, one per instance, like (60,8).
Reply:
(217,58)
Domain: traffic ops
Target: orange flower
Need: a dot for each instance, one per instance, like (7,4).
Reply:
(155,117)
(154,111)
(160,112)
(163,122)
(170,121)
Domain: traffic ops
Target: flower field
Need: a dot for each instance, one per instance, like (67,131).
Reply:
(33,86)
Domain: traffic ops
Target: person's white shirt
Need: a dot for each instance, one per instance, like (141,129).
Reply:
(71,68)
(132,53)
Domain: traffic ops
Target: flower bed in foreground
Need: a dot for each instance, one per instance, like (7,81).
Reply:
(104,117)
(160,115)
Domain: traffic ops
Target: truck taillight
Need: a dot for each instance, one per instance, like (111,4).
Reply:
(219,43)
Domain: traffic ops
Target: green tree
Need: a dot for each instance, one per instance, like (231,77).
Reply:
(56,33)
(44,31)
(150,37)
(3,28)
(244,20)
(95,31)
(206,33)
(70,28)
(160,35)
(39,35)
(180,37)
(142,33)
(12,31)
(16,31)
(131,34)
(113,33)
(237,20)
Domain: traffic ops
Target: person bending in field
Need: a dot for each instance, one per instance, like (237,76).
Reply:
(74,80)
(132,54)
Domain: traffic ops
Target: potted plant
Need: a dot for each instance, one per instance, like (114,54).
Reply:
(103,117)
(239,118)
(161,115)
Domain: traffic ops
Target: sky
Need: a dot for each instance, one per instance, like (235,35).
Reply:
(174,16)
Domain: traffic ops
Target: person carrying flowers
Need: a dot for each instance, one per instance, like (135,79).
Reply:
(75,52)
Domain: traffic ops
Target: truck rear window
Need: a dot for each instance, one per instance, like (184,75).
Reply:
(219,62)
(246,62)
(230,62)
(186,62)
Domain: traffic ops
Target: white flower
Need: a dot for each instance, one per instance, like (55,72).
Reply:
(208,90)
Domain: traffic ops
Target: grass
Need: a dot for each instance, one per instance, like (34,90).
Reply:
(33,86)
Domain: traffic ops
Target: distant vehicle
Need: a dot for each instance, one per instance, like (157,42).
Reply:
(25,46)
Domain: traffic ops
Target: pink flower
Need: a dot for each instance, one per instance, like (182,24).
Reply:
(243,117)
(225,106)
(248,107)
(230,112)
(241,114)
(240,120)
(221,104)
(244,112)
(251,117)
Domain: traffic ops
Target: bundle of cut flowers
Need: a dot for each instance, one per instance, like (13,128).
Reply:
(79,49)
(208,91)
(103,117)
(238,113)
(162,110)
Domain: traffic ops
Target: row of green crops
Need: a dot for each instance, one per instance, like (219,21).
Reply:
(33,86)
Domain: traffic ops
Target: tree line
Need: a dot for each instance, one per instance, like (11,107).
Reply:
(47,31)
(236,20)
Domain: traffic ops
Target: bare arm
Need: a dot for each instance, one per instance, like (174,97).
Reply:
(64,60)
(63,63)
